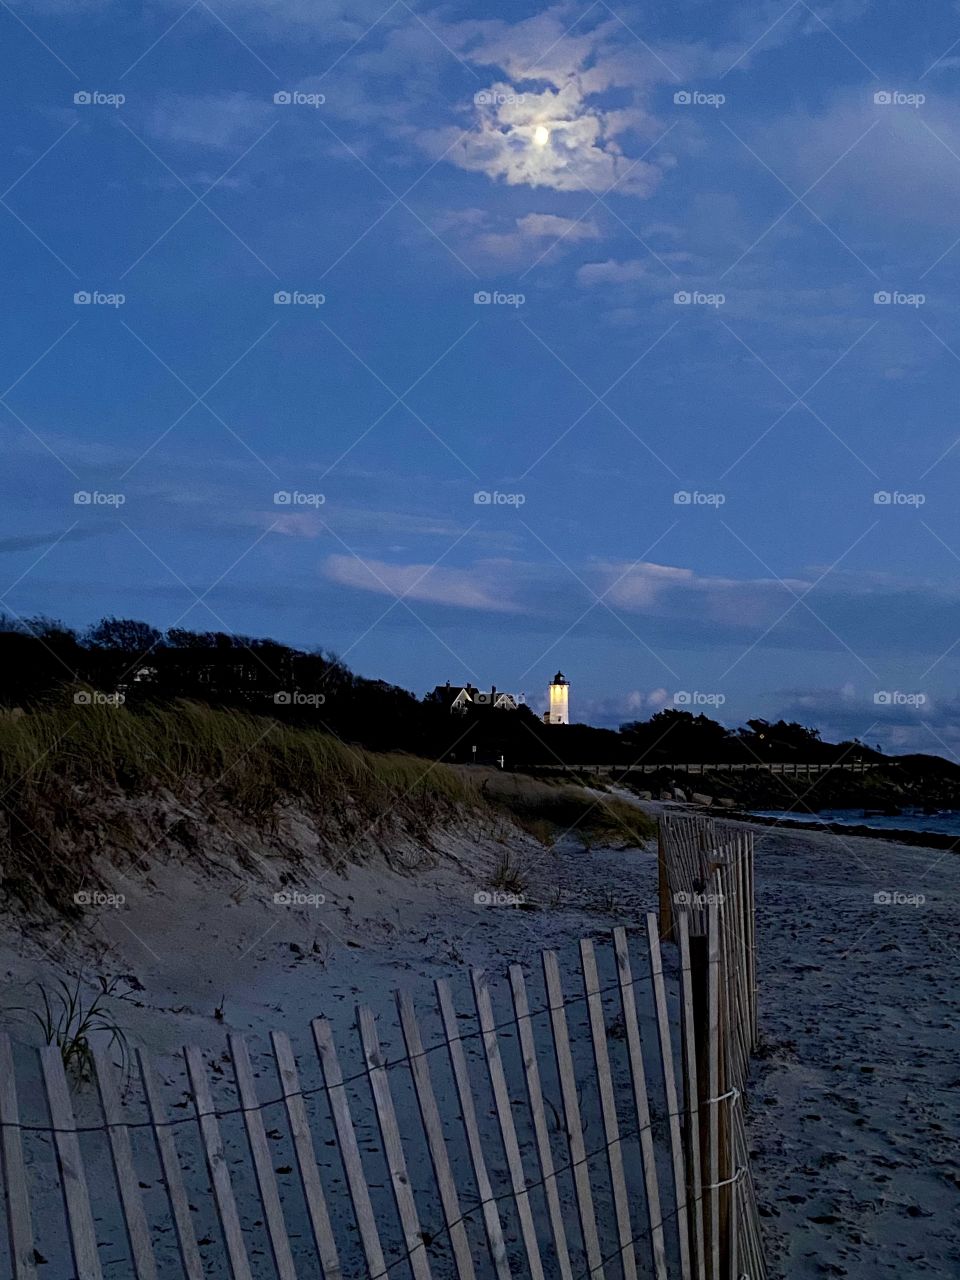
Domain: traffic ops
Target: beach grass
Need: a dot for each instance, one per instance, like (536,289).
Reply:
(81,779)
(549,812)
(66,770)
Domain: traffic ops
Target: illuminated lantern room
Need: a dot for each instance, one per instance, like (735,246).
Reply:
(559,712)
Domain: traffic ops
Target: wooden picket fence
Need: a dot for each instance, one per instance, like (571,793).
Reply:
(618,1148)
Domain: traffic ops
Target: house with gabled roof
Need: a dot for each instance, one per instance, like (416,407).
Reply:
(461,698)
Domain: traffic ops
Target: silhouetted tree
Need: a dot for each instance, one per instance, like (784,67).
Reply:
(124,635)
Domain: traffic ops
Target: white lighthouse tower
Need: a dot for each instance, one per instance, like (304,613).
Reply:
(559,712)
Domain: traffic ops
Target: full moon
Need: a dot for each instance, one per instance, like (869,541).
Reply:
(541,135)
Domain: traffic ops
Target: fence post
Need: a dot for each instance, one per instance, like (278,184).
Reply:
(666,902)
(670,1094)
(691,1093)
(17,1199)
(699,992)
(73,1178)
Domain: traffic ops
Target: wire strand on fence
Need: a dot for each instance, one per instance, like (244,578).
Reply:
(508,1024)
(533,1186)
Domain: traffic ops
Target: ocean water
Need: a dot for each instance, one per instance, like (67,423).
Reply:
(946,821)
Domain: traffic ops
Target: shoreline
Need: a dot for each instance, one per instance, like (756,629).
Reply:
(895,835)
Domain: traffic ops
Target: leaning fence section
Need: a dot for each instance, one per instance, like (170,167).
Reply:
(581,1120)
(707,906)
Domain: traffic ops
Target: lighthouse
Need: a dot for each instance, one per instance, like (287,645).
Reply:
(559,712)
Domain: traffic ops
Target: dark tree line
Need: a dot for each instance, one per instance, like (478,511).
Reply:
(41,660)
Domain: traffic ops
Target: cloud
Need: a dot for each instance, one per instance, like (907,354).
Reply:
(478,588)
(727,601)
(905,720)
(613,272)
(905,170)
(281,19)
(513,240)
(861,615)
(552,226)
(611,712)
(28,541)
(350,521)
(219,121)
(582,149)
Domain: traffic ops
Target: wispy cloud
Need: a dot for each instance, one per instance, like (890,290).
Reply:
(220,121)
(479,588)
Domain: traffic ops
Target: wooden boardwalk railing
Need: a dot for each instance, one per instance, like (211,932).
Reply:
(791,768)
(591,1130)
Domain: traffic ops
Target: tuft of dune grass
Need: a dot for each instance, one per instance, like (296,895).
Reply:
(549,812)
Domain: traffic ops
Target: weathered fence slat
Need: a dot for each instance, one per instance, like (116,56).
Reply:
(571,1112)
(19,1227)
(753,936)
(392,1146)
(608,1107)
(458,1062)
(433,1128)
(172,1176)
(732,1055)
(262,1160)
(664,887)
(73,1181)
(135,1220)
(670,1093)
(692,1127)
(217,1164)
(641,1102)
(713,1085)
(349,1149)
(501,1097)
(521,1010)
(306,1156)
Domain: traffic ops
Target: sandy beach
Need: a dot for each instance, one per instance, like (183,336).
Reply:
(852,1113)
